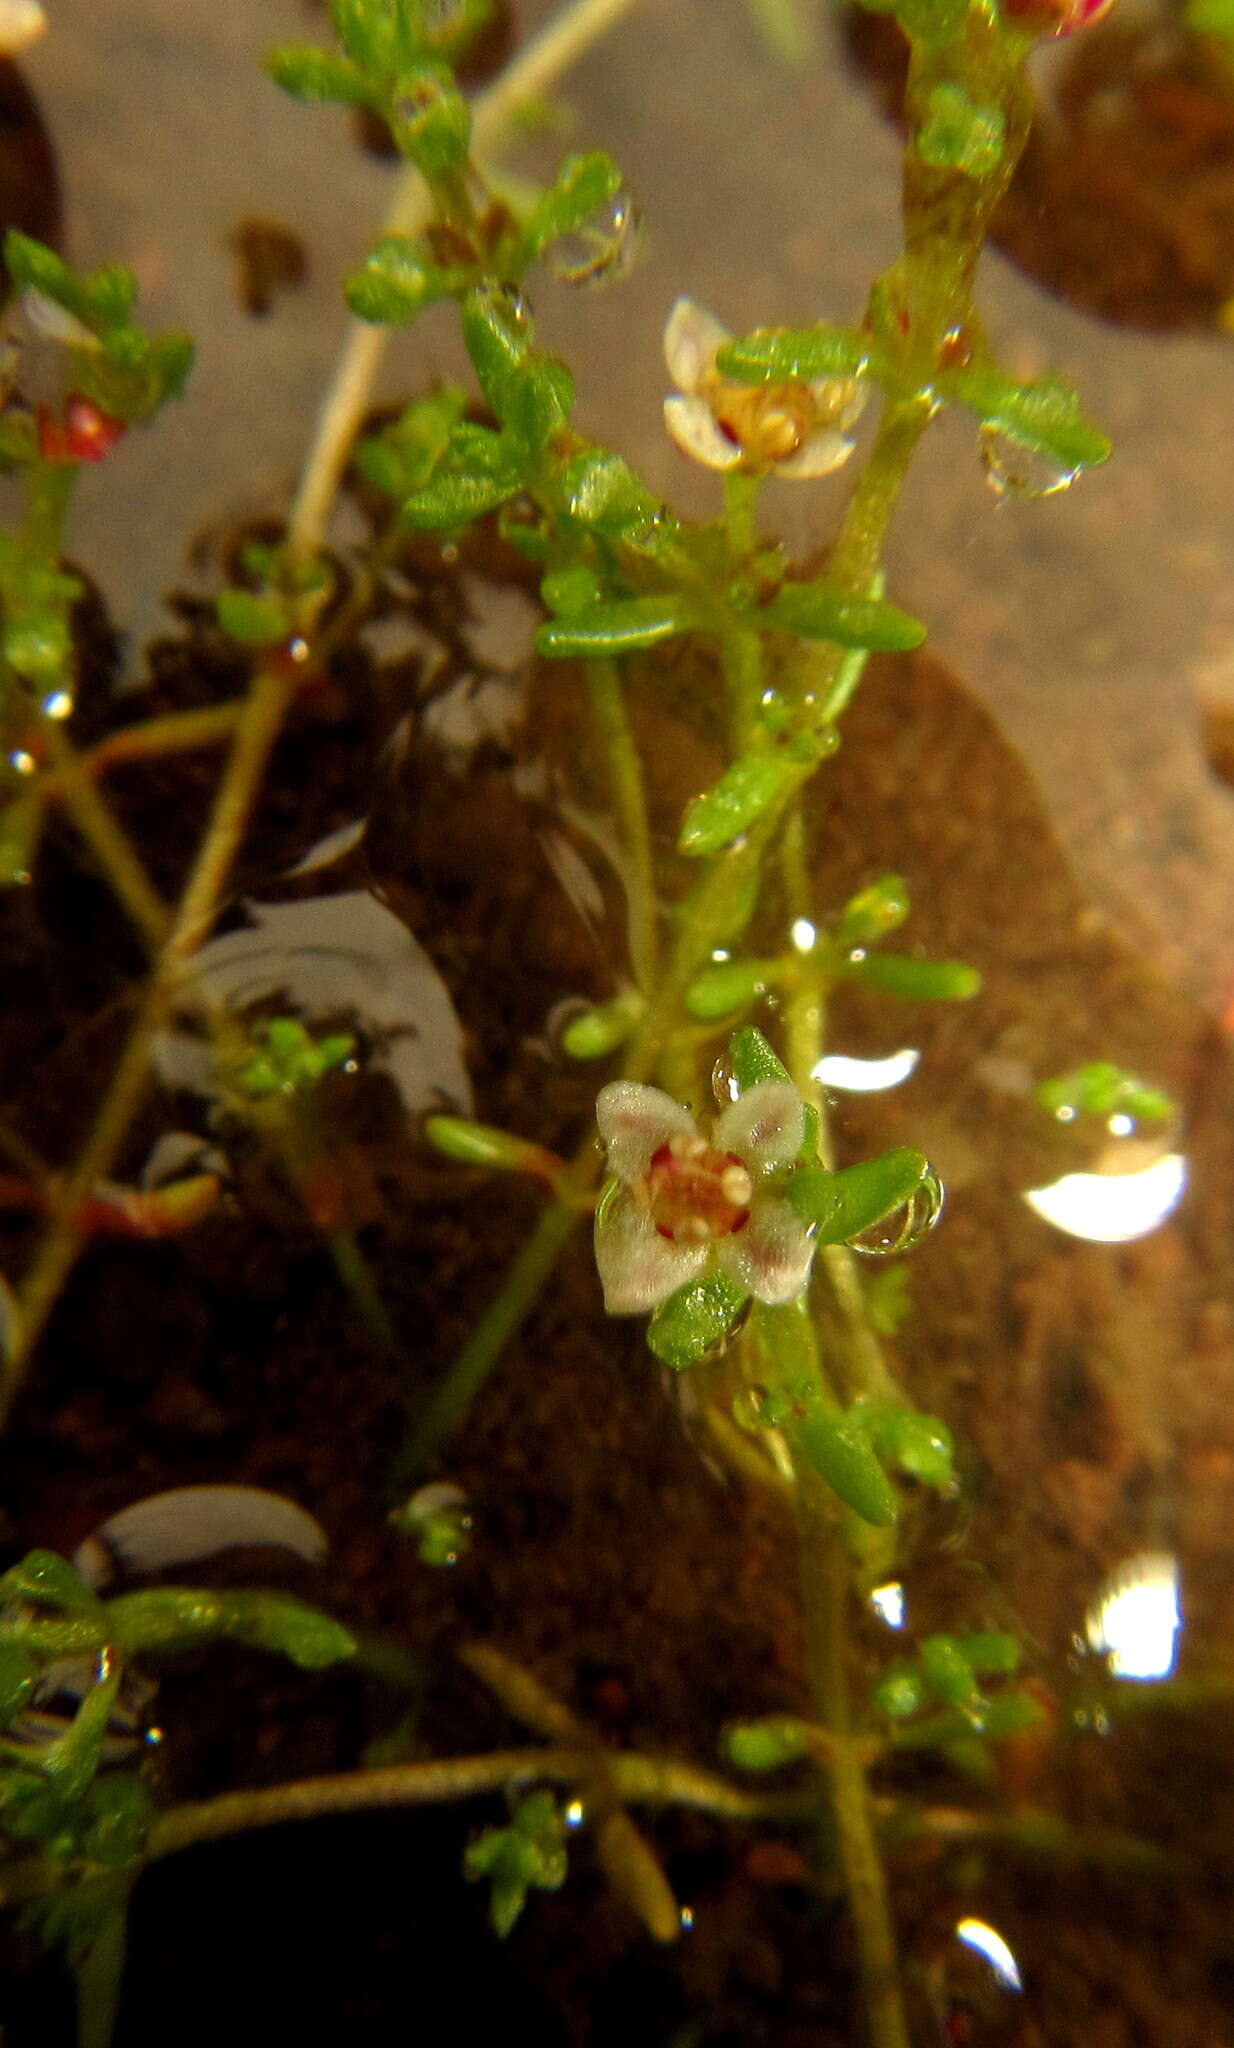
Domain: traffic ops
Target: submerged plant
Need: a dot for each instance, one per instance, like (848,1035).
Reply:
(736,1239)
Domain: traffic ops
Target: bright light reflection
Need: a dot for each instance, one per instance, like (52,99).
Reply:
(1112,1208)
(864,1077)
(58,705)
(888,1601)
(803,934)
(21,762)
(989,1943)
(1120,1125)
(1136,1617)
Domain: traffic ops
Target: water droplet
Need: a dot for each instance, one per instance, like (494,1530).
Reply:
(687,1918)
(724,1082)
(58,705)
(21,762)
(573,1815)
(907,1225)
(1013,471)
(507,303)
(601,248)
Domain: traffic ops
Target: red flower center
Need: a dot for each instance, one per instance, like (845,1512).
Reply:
(694,1193)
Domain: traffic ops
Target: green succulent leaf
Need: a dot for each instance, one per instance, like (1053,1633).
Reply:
(430,119)
(752,1060)
(842,1205)
(920,1445)
(900,974)
(836,1446)
(530,1852)
(602,492)
(398,280)
(1101,1089)
(598,1031)
(176,1618)
(450,501)
(1043,416)
(100,299)
(622,625)
(729,985)
(43,1579)
(769,1744)
(825,611)
(694,1320)
(582,185)
(873,912)
(254,618)
(317,76)
(747,788)
(772,354)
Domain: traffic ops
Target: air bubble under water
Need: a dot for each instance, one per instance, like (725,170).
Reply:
(601,248)
(905,1226)
(1014,471)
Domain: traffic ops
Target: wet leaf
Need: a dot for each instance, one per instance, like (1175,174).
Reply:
(825,611)
(919,1444)
(752,1059)
(747,788)
(430,119)
(695,1320)
(622,625)
(1043,415)
(44,1579)
(873,912)
(398,281)
(530,1852)
(582,184)
(773,354)
(176,1618)
(596,1032)
(835,1445)
(841,1205)
(602,492)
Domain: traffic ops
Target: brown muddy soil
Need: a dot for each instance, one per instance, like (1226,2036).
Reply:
(1089,1387)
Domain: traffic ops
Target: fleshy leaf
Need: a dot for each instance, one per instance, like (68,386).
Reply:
(430,119)
(752,1059)
(175,1618)
(596,1032)
(581,186)
(842,1205)
(254,618)
(1043,415)
(773,354)
(726,987)
(694,1320)
(602,492)
(747,788)
(919,1444)
(835,1445)
(622,625)
(873,912)
(768,1745)
(398,281)
(825,611)
(899,974)
(450,501)
(317,76)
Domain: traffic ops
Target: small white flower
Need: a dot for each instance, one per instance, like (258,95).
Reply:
(681,1205)
(791,428)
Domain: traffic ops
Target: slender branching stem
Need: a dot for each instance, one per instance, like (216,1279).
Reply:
(625,769)
(640,1780)
(108,841)
(532,73)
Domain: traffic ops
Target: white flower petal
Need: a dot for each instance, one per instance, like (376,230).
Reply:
(771,1256)
(693,426)
(638,1268)
(692,340)
(820,453)
(635,1121)
(764,1127)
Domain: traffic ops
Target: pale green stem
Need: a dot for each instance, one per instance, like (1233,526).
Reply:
(533,72)
(503,1317)
(640,1780)
(107,839)
(825,1596)
(742,645)
(255,737)
(630,801)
